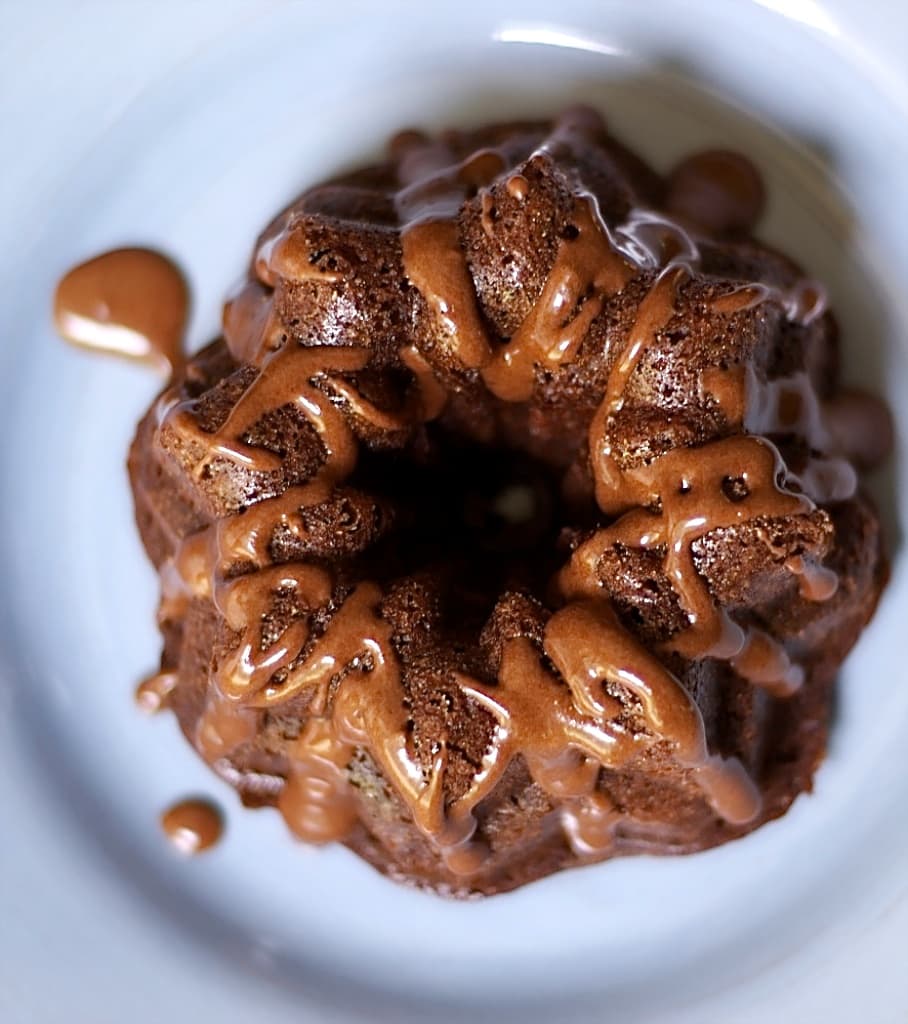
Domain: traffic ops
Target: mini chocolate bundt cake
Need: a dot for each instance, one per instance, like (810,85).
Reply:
(508,527)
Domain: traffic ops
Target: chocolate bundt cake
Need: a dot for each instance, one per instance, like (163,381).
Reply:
(508,527)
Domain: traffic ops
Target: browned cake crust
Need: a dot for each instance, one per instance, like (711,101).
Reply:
(504,531)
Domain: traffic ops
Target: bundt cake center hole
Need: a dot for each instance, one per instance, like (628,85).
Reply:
(516,504)
(492,516)
(496,502)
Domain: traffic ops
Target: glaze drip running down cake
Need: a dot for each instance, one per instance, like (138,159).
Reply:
(512,525)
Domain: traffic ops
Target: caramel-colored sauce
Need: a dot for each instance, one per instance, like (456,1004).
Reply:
(549,703)
(518,186)
(437,269)
(692,501)
(193,825)
(222,727)
(432,395)
(129,302)
(153,693)
(585,273)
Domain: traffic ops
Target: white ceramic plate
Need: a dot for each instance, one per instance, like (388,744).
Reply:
(187,135)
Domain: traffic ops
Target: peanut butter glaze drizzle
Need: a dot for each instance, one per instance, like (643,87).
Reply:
(556,715)
(128,302)
(153,693)
(193,825)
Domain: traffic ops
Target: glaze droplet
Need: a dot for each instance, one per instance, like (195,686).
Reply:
(860,426)
(193,825)
(718,190)
(131,303)
(152,693)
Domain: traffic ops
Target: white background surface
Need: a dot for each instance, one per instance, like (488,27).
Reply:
(98,104)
